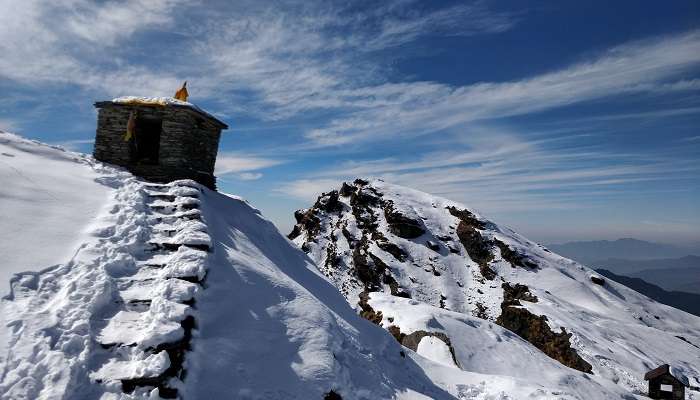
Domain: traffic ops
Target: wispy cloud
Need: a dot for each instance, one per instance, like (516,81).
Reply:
(308,189)
(423,107)
(243,166)
(53,43)
(283,58)
(500,171)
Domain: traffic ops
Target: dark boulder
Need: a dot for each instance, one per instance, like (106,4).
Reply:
(432,245)
(400,225)
(347,190)
(597,280)
(393,249)
(329,202)
(513,257)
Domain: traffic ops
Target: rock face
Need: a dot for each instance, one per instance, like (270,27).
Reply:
(534,328)
(370,236)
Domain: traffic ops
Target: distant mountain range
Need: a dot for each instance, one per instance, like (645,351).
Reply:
(680,274)
(592,252)
(688,302)
(668,266)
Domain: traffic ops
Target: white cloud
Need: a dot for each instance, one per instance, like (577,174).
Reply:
(501,172)
(287,58)
(242,166)
(82,43)
(8,125)
(425,107)
(308,189)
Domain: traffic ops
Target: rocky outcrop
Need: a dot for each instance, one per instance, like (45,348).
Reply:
(412,340)
(400,225)
(478,248)
(367,312)
(513,257)
(534,328)
(306,221)
(328,202)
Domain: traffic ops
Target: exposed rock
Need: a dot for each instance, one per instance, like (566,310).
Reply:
(597,280)
(480,311)
(467,217)
(478,248)
(487,272)
(332,395)
(362,202)
(369,273)
(328,202)
(534,328)
(400,225)
(332,259)
(432,245)
(411,341)
(306,221)
(393,249)
(387,279)
(347,190)
(513,257)
(367,312)
(360,182)
(513,293)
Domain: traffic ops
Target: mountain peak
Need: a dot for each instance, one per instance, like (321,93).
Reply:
(387,247)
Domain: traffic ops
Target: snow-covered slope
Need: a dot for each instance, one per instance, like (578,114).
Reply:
(178,291)
(48,198)
(429,269)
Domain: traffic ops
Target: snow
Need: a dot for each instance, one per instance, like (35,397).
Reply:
(152,366)
(48,200)
(76,329)
(621,333)
(159,101)
(436,350)
(266,324)
(276,329)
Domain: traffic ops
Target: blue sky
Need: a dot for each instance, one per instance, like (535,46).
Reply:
(565,120)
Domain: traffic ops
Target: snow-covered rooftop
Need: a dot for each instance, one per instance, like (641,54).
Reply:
(160,102)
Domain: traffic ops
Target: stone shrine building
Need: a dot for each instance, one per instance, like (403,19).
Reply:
(161,139)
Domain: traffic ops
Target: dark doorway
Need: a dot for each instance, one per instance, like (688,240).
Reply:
(147,139)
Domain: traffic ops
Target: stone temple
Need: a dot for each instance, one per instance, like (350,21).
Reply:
(161,139)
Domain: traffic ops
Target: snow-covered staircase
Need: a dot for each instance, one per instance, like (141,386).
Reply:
(147,333)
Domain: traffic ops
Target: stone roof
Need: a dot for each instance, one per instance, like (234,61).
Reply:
(666,369)
(160,102)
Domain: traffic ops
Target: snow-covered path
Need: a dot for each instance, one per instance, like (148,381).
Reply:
(118,316)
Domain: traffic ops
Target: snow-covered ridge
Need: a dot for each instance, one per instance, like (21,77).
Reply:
(424,267)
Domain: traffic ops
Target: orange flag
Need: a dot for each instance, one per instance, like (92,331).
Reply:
(182,93)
